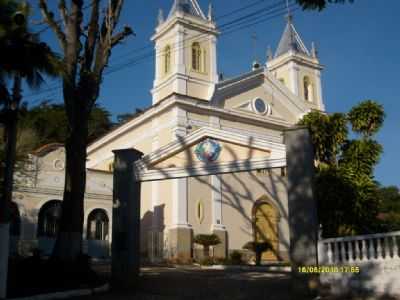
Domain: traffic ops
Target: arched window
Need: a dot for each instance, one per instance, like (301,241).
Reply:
(307,87)
(200,211)
(196,57)
(167,59)
(15,224)
(97,225)
(49,218)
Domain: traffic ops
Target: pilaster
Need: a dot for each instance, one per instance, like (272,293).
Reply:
(318,86)
(294,78)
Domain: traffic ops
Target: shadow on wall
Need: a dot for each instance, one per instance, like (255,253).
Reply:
(152,226)
(236,199)
(298,239)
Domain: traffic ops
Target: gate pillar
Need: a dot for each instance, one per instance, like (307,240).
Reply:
(303,222)
(125,266)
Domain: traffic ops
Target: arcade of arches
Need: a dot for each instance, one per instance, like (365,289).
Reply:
(47,225)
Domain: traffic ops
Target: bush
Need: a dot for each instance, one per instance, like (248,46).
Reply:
(236,258)
(207,261)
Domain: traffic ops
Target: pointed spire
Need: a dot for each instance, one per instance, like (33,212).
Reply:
(314,51)
(290,40)
(190,7)
(210,15)
(160,16)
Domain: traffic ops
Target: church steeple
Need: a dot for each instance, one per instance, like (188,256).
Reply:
(290,40)
(296,67)
(186,55)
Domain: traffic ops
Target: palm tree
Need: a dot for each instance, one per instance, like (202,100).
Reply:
(23,57)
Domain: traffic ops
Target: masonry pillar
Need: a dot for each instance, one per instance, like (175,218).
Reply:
(303,221)
(125,267)
(180,233)
(218,228)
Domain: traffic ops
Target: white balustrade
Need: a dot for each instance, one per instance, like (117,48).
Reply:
(350,251)
(381,246)
(395,247)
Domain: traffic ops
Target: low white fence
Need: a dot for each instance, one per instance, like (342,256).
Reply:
(375,260)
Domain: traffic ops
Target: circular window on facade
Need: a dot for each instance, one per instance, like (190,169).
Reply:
(58,164)
(261,107)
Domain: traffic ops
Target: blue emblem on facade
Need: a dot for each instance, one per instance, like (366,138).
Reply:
(208,151)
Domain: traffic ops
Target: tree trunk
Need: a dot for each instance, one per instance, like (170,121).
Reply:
(69,239)
(6,192)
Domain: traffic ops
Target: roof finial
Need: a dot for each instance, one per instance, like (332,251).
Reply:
(289,16)
(160,16)
(269,53)
(210,12)
(314,51)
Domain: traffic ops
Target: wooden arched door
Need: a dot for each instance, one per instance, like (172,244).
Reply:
(266,229)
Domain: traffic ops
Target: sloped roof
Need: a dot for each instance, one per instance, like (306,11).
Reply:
(45,149)
(291,40)
(190,7)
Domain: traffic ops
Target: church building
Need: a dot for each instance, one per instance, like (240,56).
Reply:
(198,122)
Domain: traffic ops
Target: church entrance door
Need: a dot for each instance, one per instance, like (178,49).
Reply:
(266,229)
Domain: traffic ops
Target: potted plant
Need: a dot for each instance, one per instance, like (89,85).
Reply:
(207,240)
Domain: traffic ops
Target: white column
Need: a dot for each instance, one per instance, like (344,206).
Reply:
(180,185)
(318,87)
(294,78)
(216,196)
(180,202)
(213,59)
(180,83)
(155,193)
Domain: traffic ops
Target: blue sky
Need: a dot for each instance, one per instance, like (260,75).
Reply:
(359,45)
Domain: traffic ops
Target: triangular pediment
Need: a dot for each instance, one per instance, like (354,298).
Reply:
(201,147)
(241,93)
(201,153)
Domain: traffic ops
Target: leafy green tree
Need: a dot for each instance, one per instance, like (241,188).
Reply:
(51,123)
(319,4)
(23,58)
(389,210)
(344,186)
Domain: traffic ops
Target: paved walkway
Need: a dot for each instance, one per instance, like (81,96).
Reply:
(162,283)
(194,283)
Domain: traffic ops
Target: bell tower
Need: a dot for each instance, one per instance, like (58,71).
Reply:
(186,54)
(297,67)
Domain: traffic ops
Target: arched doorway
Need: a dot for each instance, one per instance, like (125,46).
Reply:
(49,218)
(97,234)
(266,218)
(48,224)
(97,225)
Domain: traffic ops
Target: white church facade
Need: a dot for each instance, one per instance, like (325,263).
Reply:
(197,121)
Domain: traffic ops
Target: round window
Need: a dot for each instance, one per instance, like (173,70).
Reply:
(260,106)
